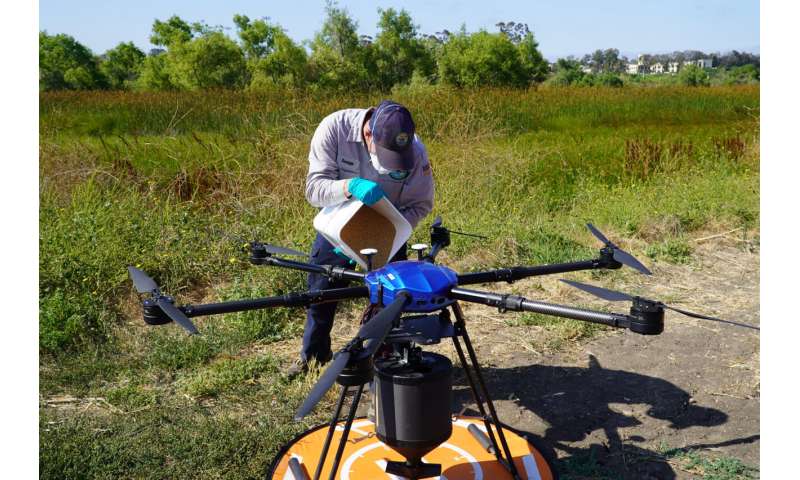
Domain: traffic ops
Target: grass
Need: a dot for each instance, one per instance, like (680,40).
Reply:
(175,182)
(709,467)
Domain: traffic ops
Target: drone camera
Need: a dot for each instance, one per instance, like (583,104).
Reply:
(646,316)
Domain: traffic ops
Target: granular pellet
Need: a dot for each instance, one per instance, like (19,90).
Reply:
(369,229)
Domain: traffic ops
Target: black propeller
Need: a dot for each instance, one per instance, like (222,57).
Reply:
(374,332)
(275,250)
(144,284)
(620,255)
(141,281)
(437,223)
(615,296)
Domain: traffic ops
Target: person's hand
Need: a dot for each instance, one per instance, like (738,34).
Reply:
(365,190)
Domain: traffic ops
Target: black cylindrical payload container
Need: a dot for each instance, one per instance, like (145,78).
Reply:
(412,403)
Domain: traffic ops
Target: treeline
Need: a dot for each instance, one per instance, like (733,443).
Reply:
(197,56)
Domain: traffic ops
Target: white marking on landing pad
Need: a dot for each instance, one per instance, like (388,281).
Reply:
(354,427)
(288,475)
(345,471)
(531,469)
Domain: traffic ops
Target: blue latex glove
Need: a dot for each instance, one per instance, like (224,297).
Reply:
(367,191)
(338,251)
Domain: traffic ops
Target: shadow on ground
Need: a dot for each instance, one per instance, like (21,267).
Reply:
(581,412)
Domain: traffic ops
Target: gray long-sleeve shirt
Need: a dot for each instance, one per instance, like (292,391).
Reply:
(338,153)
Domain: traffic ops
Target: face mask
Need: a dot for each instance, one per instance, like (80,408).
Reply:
(373,158)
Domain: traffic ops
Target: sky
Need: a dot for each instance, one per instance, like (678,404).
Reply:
(564,27)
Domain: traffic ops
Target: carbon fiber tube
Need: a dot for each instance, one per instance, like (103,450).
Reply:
(517,304)
(518,273)
(327,270)
(300,299)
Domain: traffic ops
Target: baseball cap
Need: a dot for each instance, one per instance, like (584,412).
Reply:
(393,133)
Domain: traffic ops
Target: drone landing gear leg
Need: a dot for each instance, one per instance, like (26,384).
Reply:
(481,394)
(332,427)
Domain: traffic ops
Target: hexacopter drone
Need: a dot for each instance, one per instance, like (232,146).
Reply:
(414,434)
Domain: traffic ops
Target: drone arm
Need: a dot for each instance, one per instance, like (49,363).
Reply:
(605,260)
(300,299)
(516,303)
(327,270)
(517,273)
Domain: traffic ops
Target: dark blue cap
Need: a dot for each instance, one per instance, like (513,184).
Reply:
(393,133)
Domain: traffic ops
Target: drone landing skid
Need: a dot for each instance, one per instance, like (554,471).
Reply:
(501,451)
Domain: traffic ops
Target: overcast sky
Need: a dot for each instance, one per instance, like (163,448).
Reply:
(563,27)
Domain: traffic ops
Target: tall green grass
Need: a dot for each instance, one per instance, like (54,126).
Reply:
(175,182)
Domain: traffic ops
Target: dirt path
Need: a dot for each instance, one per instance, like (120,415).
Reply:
(625,397)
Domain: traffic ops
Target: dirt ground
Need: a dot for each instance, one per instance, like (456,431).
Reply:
(625,398)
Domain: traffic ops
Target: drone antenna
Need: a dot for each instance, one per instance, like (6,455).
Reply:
(420,249)
(369,253)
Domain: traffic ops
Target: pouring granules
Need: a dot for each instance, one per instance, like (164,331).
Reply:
(369,229)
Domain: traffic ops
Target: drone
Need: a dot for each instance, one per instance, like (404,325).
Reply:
(418,304)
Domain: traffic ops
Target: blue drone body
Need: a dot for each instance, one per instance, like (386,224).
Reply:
(427,283)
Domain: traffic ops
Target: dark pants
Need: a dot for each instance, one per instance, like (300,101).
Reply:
(319,318)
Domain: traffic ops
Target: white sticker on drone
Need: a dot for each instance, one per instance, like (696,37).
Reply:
(390,276)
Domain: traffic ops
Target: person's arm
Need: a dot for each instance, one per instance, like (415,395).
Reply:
(420,189)
(323,186)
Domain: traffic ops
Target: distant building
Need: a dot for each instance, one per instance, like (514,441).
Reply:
(702,63)
(657,68)
(705,63)
(586,69)
(635,68)
(672,67)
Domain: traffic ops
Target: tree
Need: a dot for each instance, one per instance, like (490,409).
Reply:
(257,36)
(270,54)
(338,59)
(536,67)
(198,56)
(211,60)
(400,51)
(154,73)
(122,65)
(64,63)
(516,32)
(172,32)
(484,58)
(693,76)
(339,32)
(567,72)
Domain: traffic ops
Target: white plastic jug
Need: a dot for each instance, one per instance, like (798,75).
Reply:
(332,221)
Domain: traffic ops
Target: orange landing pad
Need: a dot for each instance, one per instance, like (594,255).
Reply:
(365,457)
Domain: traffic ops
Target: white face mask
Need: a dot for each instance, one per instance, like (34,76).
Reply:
(373,158)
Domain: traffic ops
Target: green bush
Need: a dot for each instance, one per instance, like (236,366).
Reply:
(693,76)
